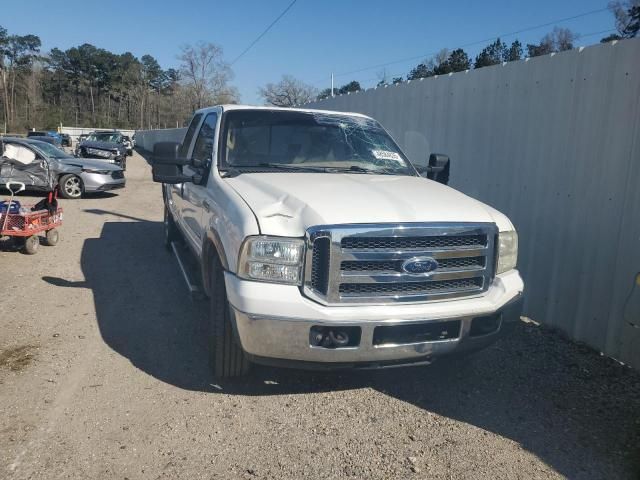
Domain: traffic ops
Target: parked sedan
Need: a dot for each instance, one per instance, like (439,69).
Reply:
(76,176)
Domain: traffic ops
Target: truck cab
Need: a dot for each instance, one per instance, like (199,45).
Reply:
(319,245)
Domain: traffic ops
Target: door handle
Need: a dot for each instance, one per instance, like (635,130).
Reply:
(206,205)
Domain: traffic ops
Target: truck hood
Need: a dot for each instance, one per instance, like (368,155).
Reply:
(101,145)
(287,204)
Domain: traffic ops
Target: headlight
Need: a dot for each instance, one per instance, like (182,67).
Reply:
(101,172)
(100,153)
(507,251)
(272,259)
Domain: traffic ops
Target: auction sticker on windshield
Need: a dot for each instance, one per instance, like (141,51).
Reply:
(386,155)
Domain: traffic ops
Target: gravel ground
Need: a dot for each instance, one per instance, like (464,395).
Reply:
(103,375)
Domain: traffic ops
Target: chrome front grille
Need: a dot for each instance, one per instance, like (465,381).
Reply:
(364,263)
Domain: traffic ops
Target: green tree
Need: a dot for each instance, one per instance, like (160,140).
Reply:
(492,54)
(352,86)
(17,54)
(514,53)
(326,93)
(422,70)
(457,61)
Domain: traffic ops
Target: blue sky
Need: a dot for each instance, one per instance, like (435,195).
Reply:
(313,39)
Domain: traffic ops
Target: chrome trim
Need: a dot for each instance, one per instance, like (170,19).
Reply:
(338,254)
(262,336)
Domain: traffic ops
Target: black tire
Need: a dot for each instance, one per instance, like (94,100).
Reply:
(31,245)
(171,232)
(71,186)
(52,237)
(226,357)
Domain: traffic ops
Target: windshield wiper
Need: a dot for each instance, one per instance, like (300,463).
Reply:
(358,169)
(301,167)
(282,166)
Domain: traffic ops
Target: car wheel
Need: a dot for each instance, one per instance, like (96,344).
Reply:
(171,232)
(226,357)
(52,237)
(31,245)
(71,186)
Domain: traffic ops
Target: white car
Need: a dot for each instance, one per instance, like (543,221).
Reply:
(320,245)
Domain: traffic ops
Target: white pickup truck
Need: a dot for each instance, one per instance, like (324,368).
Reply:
(320,245)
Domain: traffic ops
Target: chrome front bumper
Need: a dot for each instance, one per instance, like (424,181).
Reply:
(283,340)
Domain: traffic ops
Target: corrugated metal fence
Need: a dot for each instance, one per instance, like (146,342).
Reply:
(553,142)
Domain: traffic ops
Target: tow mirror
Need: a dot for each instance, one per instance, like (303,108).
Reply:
(166,166)
(438,168)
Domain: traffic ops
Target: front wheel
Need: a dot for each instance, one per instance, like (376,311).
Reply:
(71,186)
(31,245)
(52,237)
(226,357)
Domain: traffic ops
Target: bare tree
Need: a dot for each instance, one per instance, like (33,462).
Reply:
(627,15)
(288,92)
(558,40)
(206,75)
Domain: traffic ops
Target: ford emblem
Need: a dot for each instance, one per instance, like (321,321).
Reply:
(419,265)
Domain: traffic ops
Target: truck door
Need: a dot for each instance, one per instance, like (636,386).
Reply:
(175,192)
(194,204)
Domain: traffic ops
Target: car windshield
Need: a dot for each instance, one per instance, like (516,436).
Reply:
(310,141)
(51,151)
(109,137)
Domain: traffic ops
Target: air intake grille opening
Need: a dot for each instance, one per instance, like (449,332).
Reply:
(408,288)
(444,264)
(320,264)
(413,243)
(416,333)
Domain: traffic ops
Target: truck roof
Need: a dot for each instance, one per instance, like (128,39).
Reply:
(229,107)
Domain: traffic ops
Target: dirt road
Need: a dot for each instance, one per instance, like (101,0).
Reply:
(103,374)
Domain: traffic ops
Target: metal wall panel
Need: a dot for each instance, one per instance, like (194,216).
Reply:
(553,142)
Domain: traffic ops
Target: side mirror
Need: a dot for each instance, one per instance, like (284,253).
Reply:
(166,166)
(438,168)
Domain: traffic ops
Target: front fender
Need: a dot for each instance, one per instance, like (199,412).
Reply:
(212,249)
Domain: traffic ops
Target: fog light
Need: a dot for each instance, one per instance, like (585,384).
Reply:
(485,325)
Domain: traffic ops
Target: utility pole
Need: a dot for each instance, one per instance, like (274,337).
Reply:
(332,85)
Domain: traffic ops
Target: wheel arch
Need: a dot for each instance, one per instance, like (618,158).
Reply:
(213,256)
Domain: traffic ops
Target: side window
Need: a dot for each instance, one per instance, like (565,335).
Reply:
(19,153)
(186,143)
(204,147)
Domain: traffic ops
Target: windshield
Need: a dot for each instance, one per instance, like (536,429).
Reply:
(51,151)
(310,141)
(104,137)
